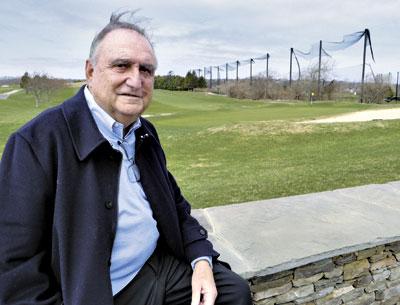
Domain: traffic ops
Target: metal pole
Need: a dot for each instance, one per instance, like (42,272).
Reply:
(290,73)
(218,75)
(226,72)
(210,77)
(363,66)
(251,71)
(266,76)
(237,71)
(397,86)
(319,70)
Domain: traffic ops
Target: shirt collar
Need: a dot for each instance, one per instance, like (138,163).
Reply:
(109,127)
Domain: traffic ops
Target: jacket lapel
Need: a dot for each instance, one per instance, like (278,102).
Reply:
(81,125)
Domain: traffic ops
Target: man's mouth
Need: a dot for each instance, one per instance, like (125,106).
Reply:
(130,95)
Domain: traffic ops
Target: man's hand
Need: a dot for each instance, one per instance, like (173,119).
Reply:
(204,291)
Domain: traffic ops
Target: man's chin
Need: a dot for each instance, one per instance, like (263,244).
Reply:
(126,116)
(133,110)
(131,107)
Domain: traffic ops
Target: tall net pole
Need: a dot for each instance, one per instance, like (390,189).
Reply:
(237,71)
(226,72)
(290,71)
(397,86)
(319,70)
(251,71)
(363,66)
(266,75)
(210,77)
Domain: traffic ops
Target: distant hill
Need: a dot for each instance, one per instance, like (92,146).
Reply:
(8,80)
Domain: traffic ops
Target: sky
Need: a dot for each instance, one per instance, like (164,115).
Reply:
(54,37)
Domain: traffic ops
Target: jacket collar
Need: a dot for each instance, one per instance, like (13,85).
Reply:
(82,128)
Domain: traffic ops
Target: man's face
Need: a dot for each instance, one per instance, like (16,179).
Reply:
(122,78)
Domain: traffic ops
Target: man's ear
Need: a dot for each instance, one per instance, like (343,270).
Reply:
(89,70)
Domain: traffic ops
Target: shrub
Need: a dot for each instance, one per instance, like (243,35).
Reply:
(378,90)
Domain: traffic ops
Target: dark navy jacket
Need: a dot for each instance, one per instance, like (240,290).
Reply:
(58,208)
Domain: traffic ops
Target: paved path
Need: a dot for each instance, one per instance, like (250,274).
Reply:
(264,237)
(5,95)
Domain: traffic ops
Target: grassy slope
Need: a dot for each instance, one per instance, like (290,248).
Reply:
(19,108)
(223,150)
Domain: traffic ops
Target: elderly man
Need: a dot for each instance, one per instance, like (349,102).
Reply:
(89,212)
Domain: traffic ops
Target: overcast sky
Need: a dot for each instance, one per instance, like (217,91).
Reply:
(54,36)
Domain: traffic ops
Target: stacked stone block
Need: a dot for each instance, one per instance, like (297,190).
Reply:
(370,276)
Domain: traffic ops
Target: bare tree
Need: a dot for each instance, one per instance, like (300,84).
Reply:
(42,87)
(311,75)
(376,88)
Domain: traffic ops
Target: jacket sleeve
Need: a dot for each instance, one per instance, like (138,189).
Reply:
(25,226)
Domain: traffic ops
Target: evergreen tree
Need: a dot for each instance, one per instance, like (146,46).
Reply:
(24,82)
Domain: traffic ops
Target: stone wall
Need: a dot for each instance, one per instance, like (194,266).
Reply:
(369,276)
(334,247)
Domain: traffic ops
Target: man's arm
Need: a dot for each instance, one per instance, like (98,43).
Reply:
(196,245)
(194,236)
(25,226)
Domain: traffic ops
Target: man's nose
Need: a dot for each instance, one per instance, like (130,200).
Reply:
(133,78)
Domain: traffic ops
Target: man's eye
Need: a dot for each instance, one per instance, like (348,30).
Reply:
(146,71)
(121,66)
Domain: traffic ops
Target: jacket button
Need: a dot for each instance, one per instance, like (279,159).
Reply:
(108,204)
(202,232)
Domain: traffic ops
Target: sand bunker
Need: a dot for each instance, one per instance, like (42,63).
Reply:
(362,116)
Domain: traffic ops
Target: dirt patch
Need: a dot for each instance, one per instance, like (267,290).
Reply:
(360,120)
(284,128)
(264,127)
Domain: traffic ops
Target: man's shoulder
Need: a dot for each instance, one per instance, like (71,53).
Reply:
(149,127)
(42,123)
(147,124)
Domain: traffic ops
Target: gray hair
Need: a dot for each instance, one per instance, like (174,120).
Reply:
(116,22)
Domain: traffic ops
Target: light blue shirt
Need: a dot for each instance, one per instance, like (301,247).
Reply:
(136,236)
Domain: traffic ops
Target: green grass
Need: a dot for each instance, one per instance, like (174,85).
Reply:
(20,108)
(224,150)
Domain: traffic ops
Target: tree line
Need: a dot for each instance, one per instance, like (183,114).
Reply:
(176,82)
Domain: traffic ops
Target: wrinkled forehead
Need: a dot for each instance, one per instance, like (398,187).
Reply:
(128,44)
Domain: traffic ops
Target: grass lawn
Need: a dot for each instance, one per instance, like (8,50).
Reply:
(224,150)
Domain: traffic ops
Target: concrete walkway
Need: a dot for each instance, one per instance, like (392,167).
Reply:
(264,237)
(5,95)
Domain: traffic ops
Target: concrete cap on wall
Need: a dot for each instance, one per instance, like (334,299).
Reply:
(268,236)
